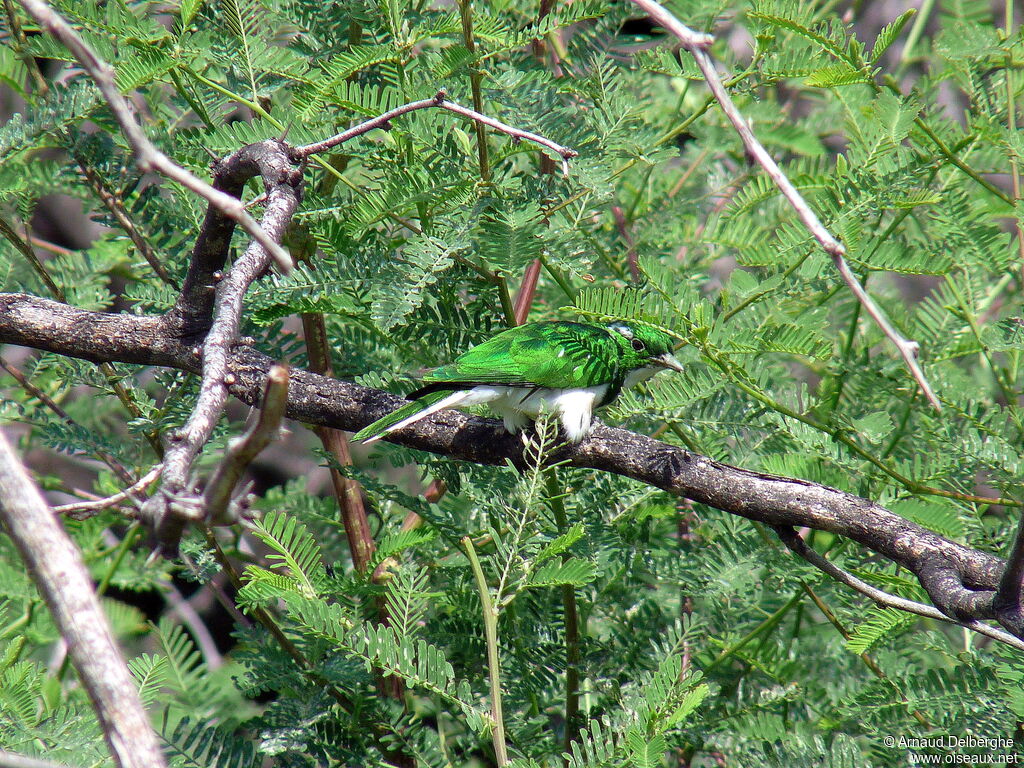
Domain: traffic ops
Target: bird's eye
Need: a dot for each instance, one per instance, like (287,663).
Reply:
(638,345)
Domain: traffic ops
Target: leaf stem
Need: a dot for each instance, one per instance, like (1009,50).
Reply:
(493,663)
(767,624)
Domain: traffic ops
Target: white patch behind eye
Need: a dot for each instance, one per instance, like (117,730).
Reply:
(623,330)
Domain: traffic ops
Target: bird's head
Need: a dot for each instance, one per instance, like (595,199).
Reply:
(645,348)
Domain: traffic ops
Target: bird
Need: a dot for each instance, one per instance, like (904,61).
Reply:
(562,368)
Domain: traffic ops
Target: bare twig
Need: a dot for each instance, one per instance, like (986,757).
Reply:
(61,576)
(147,156)
(197,627)
(798,546)
(79,509)
(696,44)
(242,450)
(439,101)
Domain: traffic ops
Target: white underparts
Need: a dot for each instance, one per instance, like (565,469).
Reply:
(518,406)
(640,374)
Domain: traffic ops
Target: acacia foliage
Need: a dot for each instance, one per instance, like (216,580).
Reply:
(699,635)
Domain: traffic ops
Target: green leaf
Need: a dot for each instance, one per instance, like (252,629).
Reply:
(560,544)
(646,752)
(874,427)
(423,261)
(575,571)
(889,34)
(880,623)
(294,549)
(836,75)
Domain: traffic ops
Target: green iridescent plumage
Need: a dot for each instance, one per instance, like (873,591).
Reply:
(562,367)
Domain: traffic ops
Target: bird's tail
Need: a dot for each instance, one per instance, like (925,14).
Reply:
(409,413)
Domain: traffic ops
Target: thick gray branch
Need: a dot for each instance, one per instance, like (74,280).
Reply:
(314,399)
(64,582)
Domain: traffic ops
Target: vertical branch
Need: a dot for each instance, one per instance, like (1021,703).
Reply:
(60,575)
(527,290)
(1011,123)
(493,663)
(346,490)
(475,78)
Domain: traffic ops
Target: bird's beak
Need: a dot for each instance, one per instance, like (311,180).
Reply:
(668,360)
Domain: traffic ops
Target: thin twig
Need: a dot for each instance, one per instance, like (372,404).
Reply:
(242,450)
(869,662)
(799,546)
(77,509)
(696,44)
(37,266)
(63,580)
(439,101)
(179,604)
(21,49)
(147,156)
(475,80)
(490,615)
(116,206)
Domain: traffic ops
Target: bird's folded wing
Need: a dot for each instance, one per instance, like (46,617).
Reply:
(538,356)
